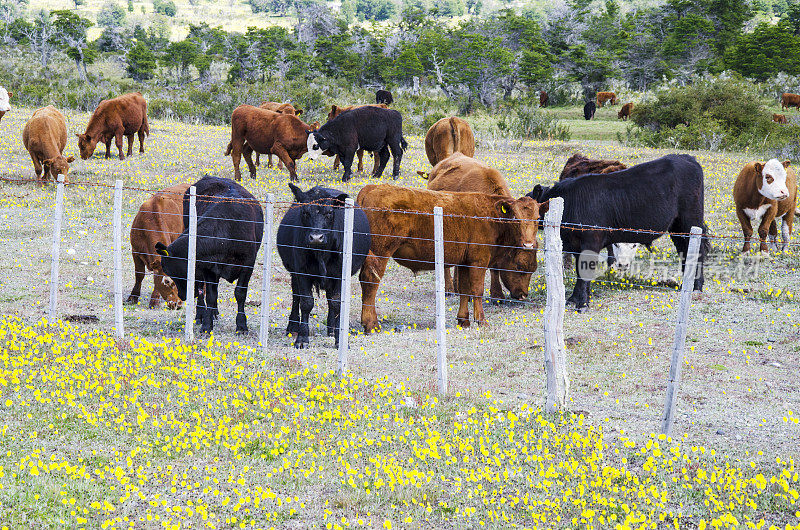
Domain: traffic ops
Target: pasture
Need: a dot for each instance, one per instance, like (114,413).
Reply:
(148,427)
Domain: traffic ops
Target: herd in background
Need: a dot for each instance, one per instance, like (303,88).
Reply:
(485,228)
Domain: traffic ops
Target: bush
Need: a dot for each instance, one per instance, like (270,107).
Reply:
(533,124)
(165,7)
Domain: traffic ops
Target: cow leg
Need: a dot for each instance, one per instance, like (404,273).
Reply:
(37,167)
(449,288)
(283,155)
(334,296)
(247,151)
(141,140)
(294,316)
(336,163)
(786,230)
(397,156)
(139,269)
(747,228)
(200,308)
(240,293)
(763,232)
(681,243)
(496,294)
(258,160)
(236,157)
(370,277)
(476,277)
(306,305)
(347,162)
(384,158)
(611,259)
(108,148)
(118,143)
(773,233)
(462,317)
(581,292)
(130,144)
(360,154)
(210,289)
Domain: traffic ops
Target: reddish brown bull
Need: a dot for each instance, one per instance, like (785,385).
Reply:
(790,100)
(448,136)
(160,218)
(280,108)
(625,112)
(602,97)
(478,229)
(112,119)
(45,137)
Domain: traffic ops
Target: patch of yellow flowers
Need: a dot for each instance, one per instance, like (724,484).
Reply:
(166,434)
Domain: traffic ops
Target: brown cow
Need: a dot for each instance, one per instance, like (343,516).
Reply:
(265,131)
(281,108)
(448,136)
(112,119)
(5,104)
(543,98)
(335,111)
(780,118)
(45,137)
(766,192)
(160,218)
(462,173)
(625,112)
(602,97)
(578,165)
(478,229)
(790,100)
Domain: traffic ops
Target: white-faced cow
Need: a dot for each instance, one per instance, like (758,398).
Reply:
(5,103)
(310,242)
(766,194)
(230,224)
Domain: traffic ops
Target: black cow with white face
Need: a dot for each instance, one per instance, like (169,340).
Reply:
(369,128)
(310,244)
(589,109)
(230,224)
(663,195)
(383,96)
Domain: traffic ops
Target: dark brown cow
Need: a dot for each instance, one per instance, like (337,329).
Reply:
(625,112)
(335,111)
(578,165)
(265,131)
(602,97)
(780,118)
(280,108)
(160,218)
(462,173)
(45,137)
(478,229)
(5,104)
(112,119)
(448,136)
(790,100)
(766,193)
(543,98)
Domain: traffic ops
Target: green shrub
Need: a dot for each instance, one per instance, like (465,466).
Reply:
(531,123)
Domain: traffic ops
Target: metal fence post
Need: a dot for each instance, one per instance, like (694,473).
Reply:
(266,241)
(58,215)
(679,343)
(555,357)
(344,306)
(118,321)
(441,337)
(190,265)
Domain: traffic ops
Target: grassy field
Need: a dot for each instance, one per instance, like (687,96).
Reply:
(150,431)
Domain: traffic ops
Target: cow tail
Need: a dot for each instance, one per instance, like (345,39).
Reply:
(403,143)
(146,125)
(705,242)
(454,134)
(229,149)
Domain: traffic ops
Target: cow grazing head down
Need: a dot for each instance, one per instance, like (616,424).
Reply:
(317,218)
(58,166)
(317,144)
(516,266)
(175,267)
(773,179)
(624,254)
(86,145)
(5,104)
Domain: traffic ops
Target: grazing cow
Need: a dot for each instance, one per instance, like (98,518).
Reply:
(5,104)
(589,109)
(664,195)
(790,100)
(230,224)
(602,97)
(384,96)
(448,136)
(543,98)
(310,242)
(766,192)
(368,128)
(265,131)
(112,119)
(160,218)
(280,108)
(462,173)
(335,111)
(478,229)
(625,112)
(45,137)
(780,118)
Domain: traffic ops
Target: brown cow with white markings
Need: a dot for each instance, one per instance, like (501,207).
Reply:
(767,194)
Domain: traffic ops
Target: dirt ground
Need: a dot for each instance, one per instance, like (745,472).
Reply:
(739,392)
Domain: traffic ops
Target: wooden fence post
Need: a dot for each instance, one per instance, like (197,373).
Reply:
(681,328)
(190,265)
(555,357)
(344,306)
(266,279)
(118,321)
(441,336)
(58,214)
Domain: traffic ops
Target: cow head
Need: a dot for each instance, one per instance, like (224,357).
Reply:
(537,192)
(624,253)
(317,217)
(520,220)
(173,266)
(5,104)
(87,145)
(165,287)
(317,144)
(773,179)
(58,166)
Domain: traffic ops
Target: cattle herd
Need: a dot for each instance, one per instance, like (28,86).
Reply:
(606,205)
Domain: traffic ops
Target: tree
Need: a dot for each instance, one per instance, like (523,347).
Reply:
(180,56)
(71,31)
(165,7)
(130,6)
(375,9)
(40,36)
(141,62)
(407,65)
(478,63)
(111,16)
(765,52)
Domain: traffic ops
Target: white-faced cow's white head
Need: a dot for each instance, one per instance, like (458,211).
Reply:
(624,253)
(317,144)
(5,104)
(773,179)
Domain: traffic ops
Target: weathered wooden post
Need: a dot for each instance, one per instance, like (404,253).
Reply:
(118,321)
(58,215)
(190,265)
(266,242)
(555,356)
(344,306)
(441,336)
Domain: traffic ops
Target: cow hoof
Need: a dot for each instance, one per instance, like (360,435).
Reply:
(396,176)
(346,179)
(464,323)
(292,329)
(301,344)
(243,331)
(131,301)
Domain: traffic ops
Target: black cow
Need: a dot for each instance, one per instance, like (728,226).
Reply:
(383,96)
(368,128)
(664,195)
(589,109)
(230,224)
(310,243)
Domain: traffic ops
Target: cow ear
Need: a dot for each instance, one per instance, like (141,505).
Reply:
(535,193)
(10,94)
(333,108)
(298,112)
(70,159)
(341,198)
(161,249)
(544,207)
(423,175)
(504,209)
(786,163)
(299,196)
(315,126)
(759,167)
